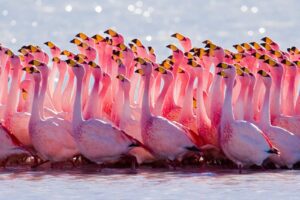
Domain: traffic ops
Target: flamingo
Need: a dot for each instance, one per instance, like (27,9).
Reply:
(241,141)
(164,138)
(286,142)
(97,140)
(16,122)
(52,141)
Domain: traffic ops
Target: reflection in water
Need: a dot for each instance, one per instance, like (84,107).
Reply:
(149,184)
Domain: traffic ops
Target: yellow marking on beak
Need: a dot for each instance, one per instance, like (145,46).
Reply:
(223,74)
(140,60)
(122,47)
(35,63)
(178,36)
(30,70)
(76,41)
(263,73)
(161,70)
(189,55)
(98,38)
(137,42)
(82,36)
(22,57)
(71,62)
(267,40)
(151,50)
(192,63)
(246,46)
(111,32)
(9,53)
(140,71)
(223,66)
(93,64)
(49,44)
(239,48)
(256,45)
(239,72)
(56,59)
(271,62)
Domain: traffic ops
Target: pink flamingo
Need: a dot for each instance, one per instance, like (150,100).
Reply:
(130,124)
(97,140)
(52,141)
(165,139)
(290,123)
(285,141)
(241,141)
(184,41)
(16,122)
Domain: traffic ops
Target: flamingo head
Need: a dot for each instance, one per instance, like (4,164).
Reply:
(265,77)
(42,67)
(124,82)
(146,67)
(34,72)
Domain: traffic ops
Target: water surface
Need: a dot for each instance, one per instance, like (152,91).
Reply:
(150,184)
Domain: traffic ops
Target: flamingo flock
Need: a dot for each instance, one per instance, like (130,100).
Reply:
(111,100)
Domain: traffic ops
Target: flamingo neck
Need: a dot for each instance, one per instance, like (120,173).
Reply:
(187,108)
(126,108)
(290,97)
(12,95)
(265,112)
(43,93)
(67,94)
(169,99)
(249,105)
(35,112)
(227,112)
(4,85)
(275,96)
(90,111)
(146,104)
(200,110)
(161,97)
(86,83)
(77,113)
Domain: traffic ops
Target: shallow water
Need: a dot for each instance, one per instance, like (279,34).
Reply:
(150,184)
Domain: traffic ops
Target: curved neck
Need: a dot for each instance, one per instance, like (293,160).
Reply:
(187,108)
(43,93)
(90,107)
(265,112)
(77,114)
(13,92)
(4,84)
(227,112)
(275,96)
(249,104)
(169,99)
(35,112)
(67,94)
(200,110)
(161,97)
(290,97)
(146,104)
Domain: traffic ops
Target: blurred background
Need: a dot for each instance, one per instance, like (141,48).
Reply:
(224,22)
